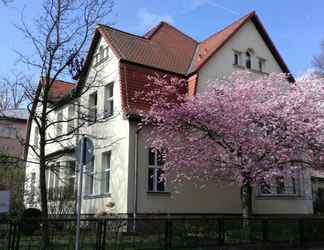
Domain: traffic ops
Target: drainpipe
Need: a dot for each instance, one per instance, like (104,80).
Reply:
(136,172)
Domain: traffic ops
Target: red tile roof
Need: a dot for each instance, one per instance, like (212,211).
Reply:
(60,88)
(166,48)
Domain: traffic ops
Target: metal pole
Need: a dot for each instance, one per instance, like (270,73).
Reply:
(79,195)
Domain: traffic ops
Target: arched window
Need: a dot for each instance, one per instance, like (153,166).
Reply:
(248,60)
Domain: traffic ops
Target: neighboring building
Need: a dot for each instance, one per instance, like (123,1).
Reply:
(123,169)
(13,124)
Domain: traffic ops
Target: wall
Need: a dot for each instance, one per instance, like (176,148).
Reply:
(221,64)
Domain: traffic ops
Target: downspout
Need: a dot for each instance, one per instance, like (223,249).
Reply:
(135,173)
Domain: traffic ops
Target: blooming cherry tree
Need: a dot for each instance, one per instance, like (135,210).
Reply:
(242,129)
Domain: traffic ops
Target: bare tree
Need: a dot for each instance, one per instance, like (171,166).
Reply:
(59,37)
(318,61)
(12,95)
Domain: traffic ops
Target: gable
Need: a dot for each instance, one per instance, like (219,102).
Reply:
(246,38)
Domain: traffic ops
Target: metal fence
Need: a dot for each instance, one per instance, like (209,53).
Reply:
(166,233)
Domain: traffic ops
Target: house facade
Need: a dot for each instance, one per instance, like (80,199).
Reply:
(124,170)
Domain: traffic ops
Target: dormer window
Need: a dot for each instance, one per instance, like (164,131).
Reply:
(248,61)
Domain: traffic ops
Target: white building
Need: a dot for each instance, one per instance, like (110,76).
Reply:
(123,169)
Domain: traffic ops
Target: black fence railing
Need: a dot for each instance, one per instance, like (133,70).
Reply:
(166,233)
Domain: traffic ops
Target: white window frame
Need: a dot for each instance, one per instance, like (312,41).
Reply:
(90,184)
(261,64)
(156,167)
(59,124)
(106,172)
(71,174)
(237,54)
(109,100)
(71,116)
(92,112)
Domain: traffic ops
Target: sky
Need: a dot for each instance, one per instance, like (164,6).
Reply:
(295,26)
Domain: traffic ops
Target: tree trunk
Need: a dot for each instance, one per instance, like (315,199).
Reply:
(246,199)
(44,205)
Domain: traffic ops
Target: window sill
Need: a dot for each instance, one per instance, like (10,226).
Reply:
(279,197)
(251,70)
(96,196)
(158,192)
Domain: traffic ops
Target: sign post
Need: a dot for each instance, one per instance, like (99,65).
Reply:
(84,154)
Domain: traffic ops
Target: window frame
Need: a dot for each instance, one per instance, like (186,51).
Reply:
(70,118)
(248,60)
(71,175)
(92,108)
(237,55)
(106,171)
(59,124)
(109,99)
(290,187)
(90,185)
(36,136)
(156,167)
(261,64)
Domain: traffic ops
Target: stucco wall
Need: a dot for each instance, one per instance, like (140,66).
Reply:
(222,63)
(109,134)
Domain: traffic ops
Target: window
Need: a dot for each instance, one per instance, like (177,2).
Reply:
(280,186)
(57,174)
(59,125)
(70,176)
(261,63)
(248,62)
(237,58)
(92,108)
(102,53)
(51,176)
(105,183)
(109,101)
(32,186)
(90,177)
(156,182)
(36,137)
(70,122)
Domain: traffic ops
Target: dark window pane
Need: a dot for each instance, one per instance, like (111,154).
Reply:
(107,181)
(265,188)
(151,157)
(280,185)
(160,159)
(151,179)
(160,181)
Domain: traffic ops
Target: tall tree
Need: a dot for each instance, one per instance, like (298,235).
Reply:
(59,37)
(318,61)
(240,130)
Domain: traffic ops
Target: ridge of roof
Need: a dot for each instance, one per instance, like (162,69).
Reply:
(156,28)
(122,31)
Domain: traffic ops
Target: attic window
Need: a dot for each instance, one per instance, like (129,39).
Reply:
(102,54)
(261,63)
(248,63)
(237,58)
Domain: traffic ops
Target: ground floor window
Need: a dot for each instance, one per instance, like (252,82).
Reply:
(156,180)
(106,169)
(280,186)
(90,177)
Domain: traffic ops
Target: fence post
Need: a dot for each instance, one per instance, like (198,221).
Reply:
(104,235)
(221,231)
(168,234)
(301,228)
(265,230)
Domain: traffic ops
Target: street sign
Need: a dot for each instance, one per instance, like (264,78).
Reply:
(84,154)
(87,154)
(4,201)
